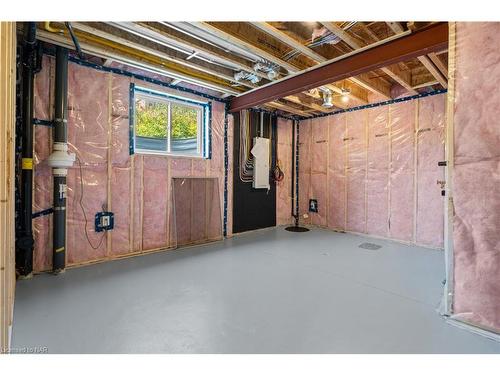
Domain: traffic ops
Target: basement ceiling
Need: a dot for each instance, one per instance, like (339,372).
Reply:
(229,58)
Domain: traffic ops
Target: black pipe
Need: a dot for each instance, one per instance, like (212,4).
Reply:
(297,179)
(24,240)
(81,55)
(60,144)
(293,168)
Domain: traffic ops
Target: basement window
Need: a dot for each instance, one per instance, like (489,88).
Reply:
(167,124)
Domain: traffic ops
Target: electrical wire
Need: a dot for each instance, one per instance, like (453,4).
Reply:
(278,174)
(83,210)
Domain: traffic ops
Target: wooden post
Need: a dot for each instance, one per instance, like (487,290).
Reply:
(7,136)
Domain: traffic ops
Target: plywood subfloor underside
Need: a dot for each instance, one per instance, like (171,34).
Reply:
(264,292)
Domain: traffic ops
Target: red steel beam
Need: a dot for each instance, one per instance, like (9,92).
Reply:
(430,39)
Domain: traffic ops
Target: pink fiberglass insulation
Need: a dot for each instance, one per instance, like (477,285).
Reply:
(476,175)
(88,128)
(213,209)
(377,175)
(42,173)
(401,201)
(200,219)
(197,210)
(430,150)
(137,188)
(356,171)
(336,172)
(120,179)
(371,169)
(283,188)
(155,206)
(319,152)
(183,200)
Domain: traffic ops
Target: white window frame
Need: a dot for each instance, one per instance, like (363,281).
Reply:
(202,127)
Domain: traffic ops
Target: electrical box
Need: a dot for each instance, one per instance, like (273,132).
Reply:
(261,165)
(313,205)
(104,221)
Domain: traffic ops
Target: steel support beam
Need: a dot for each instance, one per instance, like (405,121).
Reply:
(422,42)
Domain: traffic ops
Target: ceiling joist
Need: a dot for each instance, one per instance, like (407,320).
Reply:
(392,71)
(385,53)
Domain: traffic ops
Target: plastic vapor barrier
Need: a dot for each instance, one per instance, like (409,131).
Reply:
(375,171)
(136,188)
(197,210)
(283,188)
(476,173)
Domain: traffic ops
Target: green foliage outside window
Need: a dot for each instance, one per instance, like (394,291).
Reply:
(152,119)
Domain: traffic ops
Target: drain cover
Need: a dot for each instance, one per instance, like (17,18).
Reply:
(369,246)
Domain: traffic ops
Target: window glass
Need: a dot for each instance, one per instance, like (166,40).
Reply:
(184,136)
(169,125)
(151,124)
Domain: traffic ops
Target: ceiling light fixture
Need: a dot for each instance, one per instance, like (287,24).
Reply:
(345,95)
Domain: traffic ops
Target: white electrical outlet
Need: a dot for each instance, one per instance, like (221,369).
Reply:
(104,221)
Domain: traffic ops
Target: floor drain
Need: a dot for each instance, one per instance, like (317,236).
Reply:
(369,246)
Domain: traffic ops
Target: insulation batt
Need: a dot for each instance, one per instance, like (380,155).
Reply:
(476,175)
(375,170)
(137,188)
(283,188)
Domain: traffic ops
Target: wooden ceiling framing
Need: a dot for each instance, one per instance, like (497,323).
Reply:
(218,56)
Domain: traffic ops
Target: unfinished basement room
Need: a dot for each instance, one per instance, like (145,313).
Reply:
(250,187)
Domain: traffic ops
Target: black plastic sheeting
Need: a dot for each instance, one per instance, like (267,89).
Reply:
(253,208)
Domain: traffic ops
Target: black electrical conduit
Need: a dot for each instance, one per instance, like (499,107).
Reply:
(295,179)
(81,55)
(31,64)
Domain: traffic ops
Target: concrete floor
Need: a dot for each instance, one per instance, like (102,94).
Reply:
(264,292)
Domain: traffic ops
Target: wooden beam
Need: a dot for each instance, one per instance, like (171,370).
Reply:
(260,52)
(155,52)
(439,64)
(343,35)
(425,84)
(285,38)
(373,85)
(395,27)
(392,71)
(295,99)
(433,70)
(373,57)
(65,41)
(168,38)
(287,108)
(317,58)
(403,77)
(245,45)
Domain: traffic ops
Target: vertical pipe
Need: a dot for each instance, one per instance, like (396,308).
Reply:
(293,168)
(297,176)
(296,124)
(24,242)
(60,144)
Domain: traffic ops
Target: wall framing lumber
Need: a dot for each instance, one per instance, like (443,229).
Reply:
(7,170)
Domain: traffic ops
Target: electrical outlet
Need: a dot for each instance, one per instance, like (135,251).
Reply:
(313,205)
